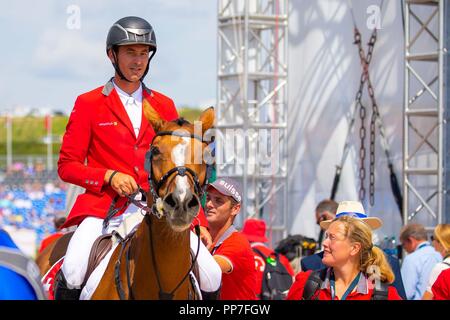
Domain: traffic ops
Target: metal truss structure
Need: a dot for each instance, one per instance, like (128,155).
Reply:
(252,102)
(425,159)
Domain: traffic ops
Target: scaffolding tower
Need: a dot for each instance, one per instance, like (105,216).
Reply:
(425,156)
(252,102)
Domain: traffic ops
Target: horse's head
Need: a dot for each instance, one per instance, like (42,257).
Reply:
(177,166)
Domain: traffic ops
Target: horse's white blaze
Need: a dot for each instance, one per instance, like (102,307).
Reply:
(179,158)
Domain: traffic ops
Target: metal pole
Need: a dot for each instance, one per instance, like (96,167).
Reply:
(8,141)
(406,118)
(48,123)
(440,111)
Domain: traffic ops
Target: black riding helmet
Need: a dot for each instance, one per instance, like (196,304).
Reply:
(130,30)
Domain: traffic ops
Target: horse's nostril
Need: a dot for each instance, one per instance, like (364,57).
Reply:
(193,202)
(170,200)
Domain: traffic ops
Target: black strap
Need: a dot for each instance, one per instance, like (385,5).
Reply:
(117,273)
(260,253)
(111,176)
(127,265)
(112,211)
(395,187)
(382,293)
(337,177)
(313,284)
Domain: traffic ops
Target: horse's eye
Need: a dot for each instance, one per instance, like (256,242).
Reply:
(155,151)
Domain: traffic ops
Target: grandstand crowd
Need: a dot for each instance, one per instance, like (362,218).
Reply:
(31,197)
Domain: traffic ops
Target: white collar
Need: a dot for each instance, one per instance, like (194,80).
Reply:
(137,95)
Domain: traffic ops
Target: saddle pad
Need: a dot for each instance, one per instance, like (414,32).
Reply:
(48,280)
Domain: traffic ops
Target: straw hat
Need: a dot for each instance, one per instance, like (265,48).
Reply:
(353,209)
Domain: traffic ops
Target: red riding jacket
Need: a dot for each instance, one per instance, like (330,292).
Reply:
(99,136)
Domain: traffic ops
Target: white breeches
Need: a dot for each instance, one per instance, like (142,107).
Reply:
(77,255)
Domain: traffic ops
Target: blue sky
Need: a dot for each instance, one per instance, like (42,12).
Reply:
(50,56)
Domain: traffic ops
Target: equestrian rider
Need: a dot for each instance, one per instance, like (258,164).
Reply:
(104,146)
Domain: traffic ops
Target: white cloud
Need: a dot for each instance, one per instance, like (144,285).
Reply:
(68,53)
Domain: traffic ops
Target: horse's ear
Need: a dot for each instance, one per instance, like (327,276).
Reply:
(207,118)
(152,116)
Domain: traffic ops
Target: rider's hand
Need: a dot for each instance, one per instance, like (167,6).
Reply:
(122,183)
(206,238)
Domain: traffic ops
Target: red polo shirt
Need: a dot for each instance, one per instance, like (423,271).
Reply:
(363,290)
(240,283)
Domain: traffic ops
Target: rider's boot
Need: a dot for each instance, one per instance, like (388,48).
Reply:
(62,292)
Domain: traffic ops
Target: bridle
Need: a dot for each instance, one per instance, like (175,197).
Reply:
(179,170)
(158,211)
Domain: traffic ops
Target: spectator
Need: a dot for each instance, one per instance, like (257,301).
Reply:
(419,262)
(255,232)
(58,222)
(441,243)
(326,210)
(441,287)
(314,262)
(231,249)
(352,261)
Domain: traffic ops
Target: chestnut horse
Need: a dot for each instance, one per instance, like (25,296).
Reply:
(155,261)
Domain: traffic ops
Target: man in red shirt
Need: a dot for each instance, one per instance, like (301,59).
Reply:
(104,146)
(231,249)
(255,232)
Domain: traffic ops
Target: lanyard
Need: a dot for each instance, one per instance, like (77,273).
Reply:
(423,245)
(348,291)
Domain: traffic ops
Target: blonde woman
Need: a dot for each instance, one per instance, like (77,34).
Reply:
(353,263)
(441,243)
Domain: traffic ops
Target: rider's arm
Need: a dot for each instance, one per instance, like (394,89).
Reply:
(74,149)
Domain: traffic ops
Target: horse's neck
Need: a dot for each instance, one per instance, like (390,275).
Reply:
(171,255)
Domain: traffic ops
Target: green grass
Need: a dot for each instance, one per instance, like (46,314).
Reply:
(28,133)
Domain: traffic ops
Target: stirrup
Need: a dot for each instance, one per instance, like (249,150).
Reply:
(62,292)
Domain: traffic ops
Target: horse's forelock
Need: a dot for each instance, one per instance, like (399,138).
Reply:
(181,121)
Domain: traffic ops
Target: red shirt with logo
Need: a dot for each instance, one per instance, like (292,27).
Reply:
(240,283)
(260,264)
